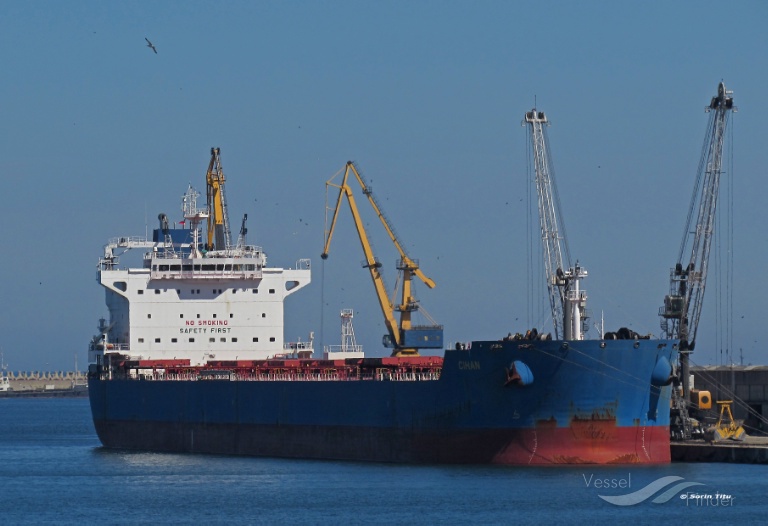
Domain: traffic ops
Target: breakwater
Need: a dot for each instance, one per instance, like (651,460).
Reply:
(52,382)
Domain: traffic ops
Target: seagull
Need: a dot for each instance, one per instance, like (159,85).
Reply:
(150,45)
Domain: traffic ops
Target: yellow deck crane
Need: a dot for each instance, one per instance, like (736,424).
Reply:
(218,222)
(405,338)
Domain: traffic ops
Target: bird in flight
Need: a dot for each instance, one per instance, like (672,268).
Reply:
(151,45)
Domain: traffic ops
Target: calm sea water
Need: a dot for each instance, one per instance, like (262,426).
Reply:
(54,470)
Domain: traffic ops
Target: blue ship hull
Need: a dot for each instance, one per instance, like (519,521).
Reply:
(503,402)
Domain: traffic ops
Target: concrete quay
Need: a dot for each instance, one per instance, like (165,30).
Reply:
(753,450)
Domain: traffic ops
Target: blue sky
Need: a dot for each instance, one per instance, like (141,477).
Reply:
(101,134)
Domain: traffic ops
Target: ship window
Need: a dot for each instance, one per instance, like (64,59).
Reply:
(157,340)
(255,340)
(176,267)
(234,340)
(181,315)
(263,314)
(198,291)
(234,291)
(141,340)
(191,340)
(209,267)
(121,285)
(271,291)
(198,315)
(272,339)
(149,316)
(211,340)
(214,315)
(227,267)
(163,268)
(186,268)
(157,291)
(255,291)
(219,267)
(178,291)
(223,339)
(141,292)
(231,315)
(173,340)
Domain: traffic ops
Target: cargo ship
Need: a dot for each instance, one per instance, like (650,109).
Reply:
(192,358)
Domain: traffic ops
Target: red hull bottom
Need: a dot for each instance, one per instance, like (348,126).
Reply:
(543,445)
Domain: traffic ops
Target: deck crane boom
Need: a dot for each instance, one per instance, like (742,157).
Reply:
(682,306)
(219,237)
(403,337)
(567,301)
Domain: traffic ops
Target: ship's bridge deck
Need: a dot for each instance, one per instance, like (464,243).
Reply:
(180,261)
(205,268)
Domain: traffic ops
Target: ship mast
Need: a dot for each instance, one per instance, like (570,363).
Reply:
(566,299)
(194,216)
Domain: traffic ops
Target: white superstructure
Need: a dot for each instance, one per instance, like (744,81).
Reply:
(185,303)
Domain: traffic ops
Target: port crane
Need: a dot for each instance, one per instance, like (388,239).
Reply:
(403,337)
(682,306)
(567,300)
(219,237)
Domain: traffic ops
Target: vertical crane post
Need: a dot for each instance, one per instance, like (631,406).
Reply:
(682,307)
(219,237)
(566,300)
